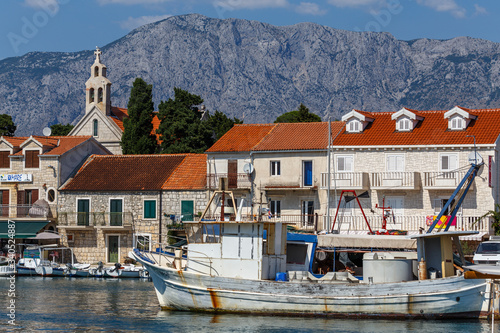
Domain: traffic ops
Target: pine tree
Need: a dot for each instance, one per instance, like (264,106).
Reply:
(181,129)
(137,135)
(7,126)
(60,129)
(302,115)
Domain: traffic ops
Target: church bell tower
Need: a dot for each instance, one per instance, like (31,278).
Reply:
(98,87)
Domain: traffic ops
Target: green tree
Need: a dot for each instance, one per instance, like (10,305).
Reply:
(137,137)
(495,215)
(219,124)
(301,115)
(60,129)
(181,129)
(7,126)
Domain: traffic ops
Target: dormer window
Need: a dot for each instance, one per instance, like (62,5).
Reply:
(456,123)
(356,121)
(458,118)
(353,126)
(406,120)
(404,124)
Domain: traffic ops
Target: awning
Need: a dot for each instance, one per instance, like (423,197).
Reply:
(21,229)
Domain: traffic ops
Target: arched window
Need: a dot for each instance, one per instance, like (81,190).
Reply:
(354,126)
(99,95)
(96,71)
(91,95)
(96,127)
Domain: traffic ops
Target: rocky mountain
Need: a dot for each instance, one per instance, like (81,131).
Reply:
(256,71)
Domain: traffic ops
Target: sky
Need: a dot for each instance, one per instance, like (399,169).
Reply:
(75,25)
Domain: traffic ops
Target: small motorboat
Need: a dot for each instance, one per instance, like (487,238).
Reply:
(7,267)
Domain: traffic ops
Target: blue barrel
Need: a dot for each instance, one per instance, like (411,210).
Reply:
(280,276)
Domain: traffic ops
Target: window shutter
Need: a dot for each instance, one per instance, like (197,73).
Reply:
(5,197)
(20,197)
(348,163)
(340,163)
(34,196)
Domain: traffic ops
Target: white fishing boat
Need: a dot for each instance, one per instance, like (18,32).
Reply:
(241,266)
(77,270)
(7,267)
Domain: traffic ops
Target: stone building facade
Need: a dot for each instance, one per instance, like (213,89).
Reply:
(116,203)
(410,161)
(31,171)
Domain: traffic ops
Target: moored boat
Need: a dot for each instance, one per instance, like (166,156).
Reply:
(241,266)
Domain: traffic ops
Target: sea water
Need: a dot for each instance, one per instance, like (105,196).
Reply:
(130,305)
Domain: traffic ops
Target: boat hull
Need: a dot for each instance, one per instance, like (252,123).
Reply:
(450,297)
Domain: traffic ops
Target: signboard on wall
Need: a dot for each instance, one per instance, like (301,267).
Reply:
(16,178)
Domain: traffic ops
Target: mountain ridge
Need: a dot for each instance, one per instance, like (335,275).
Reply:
(256,71)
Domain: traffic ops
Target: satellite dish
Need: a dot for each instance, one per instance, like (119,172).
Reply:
(475,158)
(47,131)
(248,168)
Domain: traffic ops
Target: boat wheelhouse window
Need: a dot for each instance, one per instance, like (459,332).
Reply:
(203,233)
(296,253)
(488,248)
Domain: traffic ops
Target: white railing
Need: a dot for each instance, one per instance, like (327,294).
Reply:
(443,179)
(396,179)
(345,180)
(412,224)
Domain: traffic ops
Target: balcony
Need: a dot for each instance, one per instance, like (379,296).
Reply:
(24,211)
(345,180)
(413,224)
(95,220)
(396,180)
(442,180)
(234,180)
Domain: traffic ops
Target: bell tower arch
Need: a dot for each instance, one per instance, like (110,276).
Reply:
(98,87)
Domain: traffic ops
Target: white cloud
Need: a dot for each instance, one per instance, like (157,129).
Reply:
(444,6)
(309,8)
(480,10)
(134,22)
(249,4)
(131,2)
(51,6)
(358,3)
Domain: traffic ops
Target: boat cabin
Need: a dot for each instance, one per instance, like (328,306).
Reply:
(248,250)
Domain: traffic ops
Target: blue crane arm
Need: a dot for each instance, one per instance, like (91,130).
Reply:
(469,176)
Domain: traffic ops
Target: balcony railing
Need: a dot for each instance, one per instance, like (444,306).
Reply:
(412,224)
(24,211)
(345,180)
(395,180)
(95,219)
(234,180)
(442,180)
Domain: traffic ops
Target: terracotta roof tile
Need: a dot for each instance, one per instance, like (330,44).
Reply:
(191,174)
(125,172)
(298,136)
(52,145)
(432,130)
(242,137)
(65,144)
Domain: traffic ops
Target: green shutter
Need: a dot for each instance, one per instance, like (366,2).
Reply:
(149,209)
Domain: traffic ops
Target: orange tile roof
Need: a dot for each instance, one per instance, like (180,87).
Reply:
(432,130)
(190,175)
(66,143)
(52,145)
(137,172)
(242,137)
(121,113)
(298,136)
